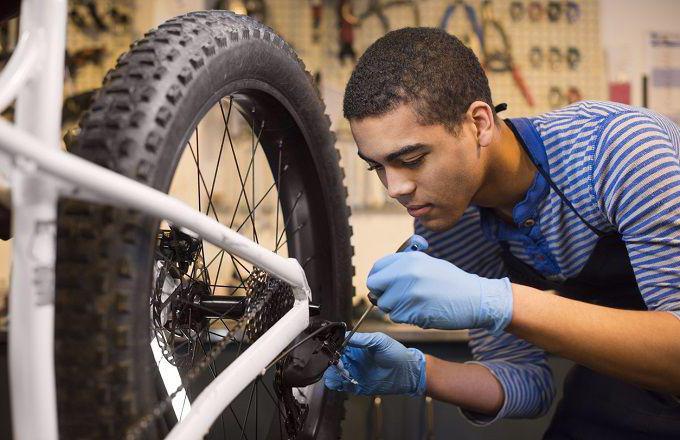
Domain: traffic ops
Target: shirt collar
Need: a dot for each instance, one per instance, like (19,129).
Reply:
(525,212)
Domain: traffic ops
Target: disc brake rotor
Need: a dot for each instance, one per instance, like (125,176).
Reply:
(179,322)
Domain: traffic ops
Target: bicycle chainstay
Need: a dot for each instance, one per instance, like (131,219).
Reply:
(268,299)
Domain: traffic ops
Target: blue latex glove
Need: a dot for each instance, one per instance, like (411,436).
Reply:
(415,288)
(379,365)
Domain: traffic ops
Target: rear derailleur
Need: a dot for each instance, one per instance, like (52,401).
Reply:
(304,366)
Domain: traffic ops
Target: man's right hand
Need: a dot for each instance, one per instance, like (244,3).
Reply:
(380,365)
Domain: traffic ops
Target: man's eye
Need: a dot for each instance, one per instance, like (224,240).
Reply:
(414,162)
(374,167)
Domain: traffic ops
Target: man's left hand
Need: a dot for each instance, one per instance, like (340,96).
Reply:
(379,365)
(415,288)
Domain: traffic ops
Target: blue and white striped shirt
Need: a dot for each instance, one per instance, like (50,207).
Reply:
(619,166)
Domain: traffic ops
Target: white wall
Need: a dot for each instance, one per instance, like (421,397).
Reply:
(625,25)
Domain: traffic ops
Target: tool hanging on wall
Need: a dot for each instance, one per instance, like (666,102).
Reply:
(253,8)
(536,57)
(555,58)
(555,97)
(87,16)
(500,59)
(573,95)
(95,16)
(76,60)
(378,8)
(573,58)
(535,11)
(558,98)
(346,22)
(74,106)
(475,25)
(517,11)
(119,17)
(572,11)
(554,11)
(316,7)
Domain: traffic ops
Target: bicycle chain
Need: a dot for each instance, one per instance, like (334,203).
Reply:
(261,288)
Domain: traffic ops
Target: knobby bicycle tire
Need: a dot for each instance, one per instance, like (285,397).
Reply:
(138,125)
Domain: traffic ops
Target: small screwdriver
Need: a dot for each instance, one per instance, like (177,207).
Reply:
(413,243)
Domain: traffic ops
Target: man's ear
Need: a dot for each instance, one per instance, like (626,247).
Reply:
(482,115)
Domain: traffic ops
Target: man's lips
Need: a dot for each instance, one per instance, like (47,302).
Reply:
(418,210)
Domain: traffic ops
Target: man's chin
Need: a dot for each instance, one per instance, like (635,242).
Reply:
(437,223)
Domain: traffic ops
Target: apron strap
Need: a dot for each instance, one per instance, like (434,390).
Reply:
(528,130)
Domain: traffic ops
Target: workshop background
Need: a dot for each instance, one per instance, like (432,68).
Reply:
(540,55)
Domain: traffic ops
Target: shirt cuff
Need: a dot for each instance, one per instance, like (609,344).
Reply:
(675,313)
(528,392)
(479,419)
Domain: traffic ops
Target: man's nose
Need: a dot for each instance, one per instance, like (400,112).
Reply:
(398,184)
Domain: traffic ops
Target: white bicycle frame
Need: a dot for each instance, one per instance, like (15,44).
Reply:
(39,172)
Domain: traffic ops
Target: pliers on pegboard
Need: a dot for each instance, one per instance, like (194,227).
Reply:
(378,8)
(502,60)
(471,17)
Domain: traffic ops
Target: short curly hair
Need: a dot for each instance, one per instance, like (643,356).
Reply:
(427,68)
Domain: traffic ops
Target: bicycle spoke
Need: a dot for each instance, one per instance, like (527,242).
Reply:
(201,180)
(236,260)
(220,335)
(220,252)
(198,171)
(285,224)
(184,404)
(231,144)
(278,407)
(217,165)
(206,277)
(238,422)
(252,160)
(213,370)
(227,286)
(307,261)
(219,268)
(250,401)
(240,197)
(279,186)
(238,171)
(238,272)
(251,214)
(293,232)
(242,194)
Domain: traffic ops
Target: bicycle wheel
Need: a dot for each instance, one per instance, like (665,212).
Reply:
(127,283)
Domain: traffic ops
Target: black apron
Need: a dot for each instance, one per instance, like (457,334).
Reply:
(594,405)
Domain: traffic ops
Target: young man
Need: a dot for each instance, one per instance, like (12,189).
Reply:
(583,201)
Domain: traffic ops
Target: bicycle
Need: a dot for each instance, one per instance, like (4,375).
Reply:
(94,265)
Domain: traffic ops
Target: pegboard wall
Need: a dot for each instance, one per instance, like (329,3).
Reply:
(98,31)
(562,38)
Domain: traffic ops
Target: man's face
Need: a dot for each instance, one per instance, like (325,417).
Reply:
(432,172)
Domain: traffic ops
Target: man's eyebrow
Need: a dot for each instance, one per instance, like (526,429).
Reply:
(396,154)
